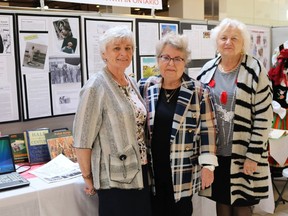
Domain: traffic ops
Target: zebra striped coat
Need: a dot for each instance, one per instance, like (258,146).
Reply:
(252,123)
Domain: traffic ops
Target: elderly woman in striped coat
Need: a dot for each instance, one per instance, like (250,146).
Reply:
(243,95)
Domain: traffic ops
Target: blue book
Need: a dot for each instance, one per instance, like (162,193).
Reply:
(37,147)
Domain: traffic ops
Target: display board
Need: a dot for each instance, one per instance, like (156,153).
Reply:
(261,44)
(200,44)
(43,83)
(50,64)
(93,29)
(9,96)
(148,33)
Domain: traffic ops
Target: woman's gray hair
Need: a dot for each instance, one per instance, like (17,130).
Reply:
(115,33)
(179,42)
(227,22)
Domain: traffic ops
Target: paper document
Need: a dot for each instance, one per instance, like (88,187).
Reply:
(58,169)
(277,133)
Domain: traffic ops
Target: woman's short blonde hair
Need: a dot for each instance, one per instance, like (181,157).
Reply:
(227,22)
(179,42)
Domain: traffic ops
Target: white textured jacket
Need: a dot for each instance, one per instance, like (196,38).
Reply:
(105,122)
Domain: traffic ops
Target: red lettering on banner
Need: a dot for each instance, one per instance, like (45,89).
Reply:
(155,2)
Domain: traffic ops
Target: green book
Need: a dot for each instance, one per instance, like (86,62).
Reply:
(19,148)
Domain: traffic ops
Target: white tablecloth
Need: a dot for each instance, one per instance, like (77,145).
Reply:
(43,199)
(68,198)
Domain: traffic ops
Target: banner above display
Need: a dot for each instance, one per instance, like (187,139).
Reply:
(153,4)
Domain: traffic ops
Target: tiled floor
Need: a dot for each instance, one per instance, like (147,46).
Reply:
(281,209)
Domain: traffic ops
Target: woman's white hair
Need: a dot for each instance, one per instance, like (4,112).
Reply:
(179,42)
(115,33)
(227,22)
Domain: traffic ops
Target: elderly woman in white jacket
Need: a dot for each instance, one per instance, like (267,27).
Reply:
(109,132)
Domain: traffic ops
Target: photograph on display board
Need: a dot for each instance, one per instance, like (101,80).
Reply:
(166,28)
(63,31)
(65,70)
(5,40)
(35,55)
(260,47)
(65,78)
(149,67)
(69,45)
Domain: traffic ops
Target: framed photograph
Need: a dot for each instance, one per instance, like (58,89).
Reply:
(167,27)
(149,67)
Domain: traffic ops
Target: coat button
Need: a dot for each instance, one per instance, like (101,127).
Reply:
(190,130)
(187,148)
(122,157)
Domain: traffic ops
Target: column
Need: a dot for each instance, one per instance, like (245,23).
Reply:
(187,9)
(121,10)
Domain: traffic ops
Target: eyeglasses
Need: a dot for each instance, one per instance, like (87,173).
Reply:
(166,59)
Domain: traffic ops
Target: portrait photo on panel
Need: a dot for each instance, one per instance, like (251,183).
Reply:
(35,55)
(69,45)
(5,41)
(63,31)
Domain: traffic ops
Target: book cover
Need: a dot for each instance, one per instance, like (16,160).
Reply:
(61,142)
(37,147)
(19,147)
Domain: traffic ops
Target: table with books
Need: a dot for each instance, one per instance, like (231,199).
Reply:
(63,194)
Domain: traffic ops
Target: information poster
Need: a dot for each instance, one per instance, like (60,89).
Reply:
(49,54)
(260,44)
(9,106)
(200,42)
(94,29)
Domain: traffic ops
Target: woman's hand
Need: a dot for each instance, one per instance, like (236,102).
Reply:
(207,177)
(90,190)
(249,167)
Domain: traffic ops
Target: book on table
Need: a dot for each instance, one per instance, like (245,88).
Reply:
(37,147)
(61,142)
(19,147)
